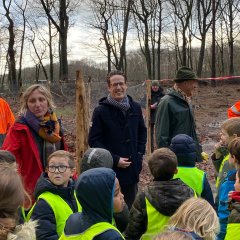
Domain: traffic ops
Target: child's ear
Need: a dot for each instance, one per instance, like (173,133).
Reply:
(176,171)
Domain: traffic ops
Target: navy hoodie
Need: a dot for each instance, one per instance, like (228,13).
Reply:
(95,191)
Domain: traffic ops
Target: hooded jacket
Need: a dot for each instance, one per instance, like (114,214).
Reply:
(164,196)
(42,211)
(21,143)
(175,116)
(122,135)
(24,232)
(95,191)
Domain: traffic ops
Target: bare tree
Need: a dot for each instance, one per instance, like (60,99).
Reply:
(112,20)
(182,9)
(12,74)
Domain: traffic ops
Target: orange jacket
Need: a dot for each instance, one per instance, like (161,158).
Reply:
(234,111)
(6,117)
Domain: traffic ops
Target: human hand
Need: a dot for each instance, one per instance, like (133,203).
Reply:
(204,156)
(153,106)
(230,195)
(123,162)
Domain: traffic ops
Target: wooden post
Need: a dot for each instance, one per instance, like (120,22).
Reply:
(82,119)
(148,117)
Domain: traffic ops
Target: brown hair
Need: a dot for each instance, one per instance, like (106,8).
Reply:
(43,90)
(234,149)
(173,235)
(113,73)
(64,154)
(12,196)
(238,173)
(6,156)
(162,164)
(232,126)
(198,216)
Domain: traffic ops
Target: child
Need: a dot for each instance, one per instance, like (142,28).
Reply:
(185,149)
(197,217)
(233,229)
(230,129)
(227,186)
(12,195)
(98,192)
(55,197)
(99,157)
(161,198)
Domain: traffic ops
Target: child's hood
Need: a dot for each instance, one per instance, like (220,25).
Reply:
(95,191)
(167,196)
(27,231)
(44,185)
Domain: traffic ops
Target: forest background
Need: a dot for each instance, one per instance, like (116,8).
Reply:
(51,39)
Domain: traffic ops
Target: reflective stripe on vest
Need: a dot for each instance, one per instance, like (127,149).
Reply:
(235,110)
(91,232)
(60,209)
(156,222)
(221,168)
(233,230)
(193,177)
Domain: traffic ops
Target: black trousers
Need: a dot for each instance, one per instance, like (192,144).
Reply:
(129,192)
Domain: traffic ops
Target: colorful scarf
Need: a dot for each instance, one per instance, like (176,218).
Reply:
(48,128)
(123,105)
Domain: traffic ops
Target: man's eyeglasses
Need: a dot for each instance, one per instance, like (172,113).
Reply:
(121,84)
(61,168)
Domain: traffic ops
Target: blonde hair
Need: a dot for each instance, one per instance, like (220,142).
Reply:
(196,215)
(63,154)
(173,235)
(43,90)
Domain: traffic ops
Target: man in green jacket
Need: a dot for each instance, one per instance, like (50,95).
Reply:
(174,113)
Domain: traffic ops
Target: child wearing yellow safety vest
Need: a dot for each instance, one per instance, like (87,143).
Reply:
(233,226)
(185,149)
(55,197)
(234,197)
(99,194)
(100,157)
(152,208)
(230,129)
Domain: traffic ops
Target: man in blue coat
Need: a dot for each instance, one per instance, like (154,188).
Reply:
(118,126)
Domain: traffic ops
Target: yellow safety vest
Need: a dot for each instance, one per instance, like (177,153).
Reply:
(156,222)
(60,209)
(91,232)
(193,177)
(233,231)
(221,168)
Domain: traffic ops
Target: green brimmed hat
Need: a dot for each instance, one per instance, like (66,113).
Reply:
(155,83)
(184,74)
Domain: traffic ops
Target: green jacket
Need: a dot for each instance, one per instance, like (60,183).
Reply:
(175,116)
(233,227)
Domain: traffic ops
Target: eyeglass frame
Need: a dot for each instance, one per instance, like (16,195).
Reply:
(58,168)
(115,85)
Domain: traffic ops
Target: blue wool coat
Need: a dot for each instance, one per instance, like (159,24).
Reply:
(124,135)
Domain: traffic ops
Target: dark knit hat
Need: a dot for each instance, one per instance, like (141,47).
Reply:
(95,158)
(184,74)
(185,149)
(155,83)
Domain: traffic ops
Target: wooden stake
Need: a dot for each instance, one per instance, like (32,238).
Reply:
(148,117)
(82,121)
